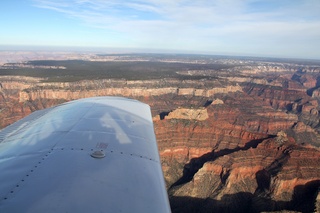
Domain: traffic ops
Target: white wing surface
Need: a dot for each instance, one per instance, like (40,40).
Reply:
(90,155)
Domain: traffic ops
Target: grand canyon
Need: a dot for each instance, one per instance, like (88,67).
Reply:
(235,134)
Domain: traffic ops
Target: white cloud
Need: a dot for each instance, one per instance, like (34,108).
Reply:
(199,24)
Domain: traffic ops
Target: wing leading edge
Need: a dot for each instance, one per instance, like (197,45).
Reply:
(90,155)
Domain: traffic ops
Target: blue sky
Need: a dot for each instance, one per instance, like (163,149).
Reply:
(281,28)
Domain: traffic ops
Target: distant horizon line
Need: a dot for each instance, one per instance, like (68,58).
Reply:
(134,50)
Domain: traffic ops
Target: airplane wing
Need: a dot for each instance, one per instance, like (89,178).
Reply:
(90,155)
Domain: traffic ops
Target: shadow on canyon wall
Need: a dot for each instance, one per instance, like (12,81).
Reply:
(310,91)
(264,176)
(303,200)
(195,164)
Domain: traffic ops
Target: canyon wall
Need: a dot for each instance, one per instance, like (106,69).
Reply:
(68,94)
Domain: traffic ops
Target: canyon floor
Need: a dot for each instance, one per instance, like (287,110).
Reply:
(234,134)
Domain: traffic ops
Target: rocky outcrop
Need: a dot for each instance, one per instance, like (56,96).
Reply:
(188,114)
(316,93)
(217,101)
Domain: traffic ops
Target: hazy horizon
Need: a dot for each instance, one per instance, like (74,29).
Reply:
(106,50)
(281,29)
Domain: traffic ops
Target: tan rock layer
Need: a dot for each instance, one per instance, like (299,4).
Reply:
(189,114)
(128,92)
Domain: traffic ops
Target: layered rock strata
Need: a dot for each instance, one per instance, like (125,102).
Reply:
(218,139)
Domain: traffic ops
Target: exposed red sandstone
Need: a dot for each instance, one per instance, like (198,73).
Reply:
(263,175)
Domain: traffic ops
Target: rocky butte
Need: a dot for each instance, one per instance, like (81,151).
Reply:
(241,138)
